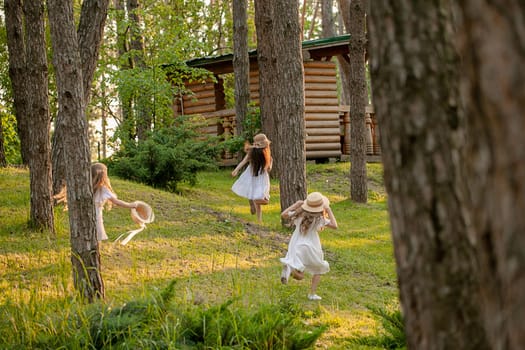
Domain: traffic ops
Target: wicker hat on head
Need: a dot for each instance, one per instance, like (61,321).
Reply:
(260,141)
(142,214)
(315,203)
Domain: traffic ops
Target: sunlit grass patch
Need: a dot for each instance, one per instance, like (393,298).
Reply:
(204,239)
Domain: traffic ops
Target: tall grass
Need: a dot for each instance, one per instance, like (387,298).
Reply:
(224,267)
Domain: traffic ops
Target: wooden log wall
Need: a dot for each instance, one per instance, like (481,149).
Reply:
(323,134)
(207,97)
(327,123)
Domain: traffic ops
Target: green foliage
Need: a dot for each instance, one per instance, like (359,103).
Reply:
(251,126)
(267,327)
(167,157)
(11,140)
(158,322)
(393,334)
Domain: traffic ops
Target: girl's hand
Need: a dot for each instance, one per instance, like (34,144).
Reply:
(234,173)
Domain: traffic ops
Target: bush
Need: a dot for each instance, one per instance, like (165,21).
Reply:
(167,157)
(11,140)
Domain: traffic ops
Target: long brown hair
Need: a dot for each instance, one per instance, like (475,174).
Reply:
(99,178)
(260,159)
(309,219)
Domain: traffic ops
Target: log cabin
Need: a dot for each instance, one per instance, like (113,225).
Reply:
(327,121)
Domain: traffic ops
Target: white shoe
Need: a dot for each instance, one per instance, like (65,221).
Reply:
(314,297)
(285,274)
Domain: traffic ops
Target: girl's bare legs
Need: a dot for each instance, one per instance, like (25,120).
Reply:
(258,208)
(258,211)
(315,282)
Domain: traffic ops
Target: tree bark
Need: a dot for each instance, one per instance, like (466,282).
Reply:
(415,77)
(491,46)
(122,47)
(142,102)
(281,89)
(241,63)
(344,65)
(90,30)
(3,160)
(41,216)
(358,102)
(14,21)
(28,73)
(85,255)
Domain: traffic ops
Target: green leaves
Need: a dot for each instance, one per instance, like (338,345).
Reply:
(167,157)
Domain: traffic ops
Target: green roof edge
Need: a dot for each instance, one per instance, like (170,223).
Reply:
(195,62)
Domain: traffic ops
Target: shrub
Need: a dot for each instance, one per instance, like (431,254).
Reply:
(167,157)
(11,140)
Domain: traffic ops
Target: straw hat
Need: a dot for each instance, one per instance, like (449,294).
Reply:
(260,141)
(142,214)
(315,203)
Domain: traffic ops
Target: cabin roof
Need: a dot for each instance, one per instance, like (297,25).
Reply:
(317,49)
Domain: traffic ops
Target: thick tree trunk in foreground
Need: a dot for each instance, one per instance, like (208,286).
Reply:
(415,77)
(281,88)
(491,46)
(358,102)
(85,255)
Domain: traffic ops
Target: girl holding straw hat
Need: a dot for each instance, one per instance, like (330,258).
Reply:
(305,253)
(254,182)
(103,195)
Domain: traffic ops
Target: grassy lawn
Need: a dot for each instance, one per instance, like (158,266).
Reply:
(205,239)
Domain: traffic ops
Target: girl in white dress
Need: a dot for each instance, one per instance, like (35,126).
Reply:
(103,194)
(304,250)
(254,182)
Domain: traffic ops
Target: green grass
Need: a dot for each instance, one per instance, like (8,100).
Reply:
(205,239)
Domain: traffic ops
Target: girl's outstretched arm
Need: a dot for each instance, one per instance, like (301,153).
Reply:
(331,217)
(122,204)
(286,213)
(240,165)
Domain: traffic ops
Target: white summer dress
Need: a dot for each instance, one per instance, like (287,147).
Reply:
(100,197)
(304,250)
(252,187)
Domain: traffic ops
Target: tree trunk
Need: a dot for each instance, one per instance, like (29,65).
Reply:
(141,101)
(3,160)
(327,18)
(282,93)
(14,21)
(122,46)
(28,73)
(90,29)
(415,77)
(68,66)
(358,102)
(41,216)
(241,63)
(344,66)
(491,46)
